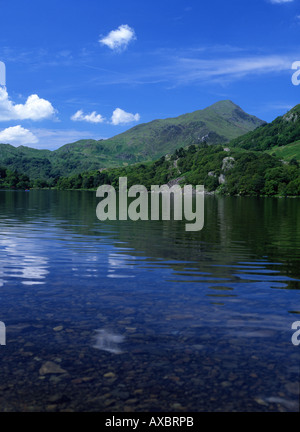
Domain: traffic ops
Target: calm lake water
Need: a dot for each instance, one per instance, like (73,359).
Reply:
(144,316)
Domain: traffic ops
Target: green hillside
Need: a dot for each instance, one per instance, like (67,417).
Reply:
(217,124)
(287,152)
(281,136)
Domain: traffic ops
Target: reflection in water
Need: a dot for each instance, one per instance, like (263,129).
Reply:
(108,341)
(202,319)
(118,266)
(19,261)
(290,405)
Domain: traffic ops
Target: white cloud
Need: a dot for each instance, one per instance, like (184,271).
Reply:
(90,118)
(280,1)
(120,38)
(121,117)
(34,108)
(17,135)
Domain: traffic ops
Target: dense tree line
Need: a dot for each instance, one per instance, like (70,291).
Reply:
(248,173)
(13,180)
(225,171)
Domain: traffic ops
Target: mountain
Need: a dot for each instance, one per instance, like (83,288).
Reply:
(281,137)
(217,124)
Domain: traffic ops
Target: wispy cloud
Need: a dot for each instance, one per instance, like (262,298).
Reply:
(280,1)
(119,39)
(40,58)
(278,106)
(52,139)
(199,69)
(90,118)
(194,69)
(34,108)
(17,135)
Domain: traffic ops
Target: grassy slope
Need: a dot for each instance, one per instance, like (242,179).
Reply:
(287,152)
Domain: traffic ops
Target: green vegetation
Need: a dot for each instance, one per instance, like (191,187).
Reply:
(287,152)
(233,172)
(280,137)
(47,165)
(13,180)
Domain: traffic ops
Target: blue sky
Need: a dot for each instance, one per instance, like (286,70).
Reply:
(92,69)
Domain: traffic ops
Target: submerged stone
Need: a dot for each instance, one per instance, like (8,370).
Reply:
(51,368)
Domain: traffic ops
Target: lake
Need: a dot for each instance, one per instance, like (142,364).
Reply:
(144,316)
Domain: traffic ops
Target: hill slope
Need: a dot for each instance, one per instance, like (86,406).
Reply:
(217,124)
(281,136)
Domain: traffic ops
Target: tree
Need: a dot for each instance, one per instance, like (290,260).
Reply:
(294,162)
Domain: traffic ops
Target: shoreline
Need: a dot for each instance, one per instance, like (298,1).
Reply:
(206,193)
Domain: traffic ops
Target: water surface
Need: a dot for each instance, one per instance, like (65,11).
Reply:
(143,316)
